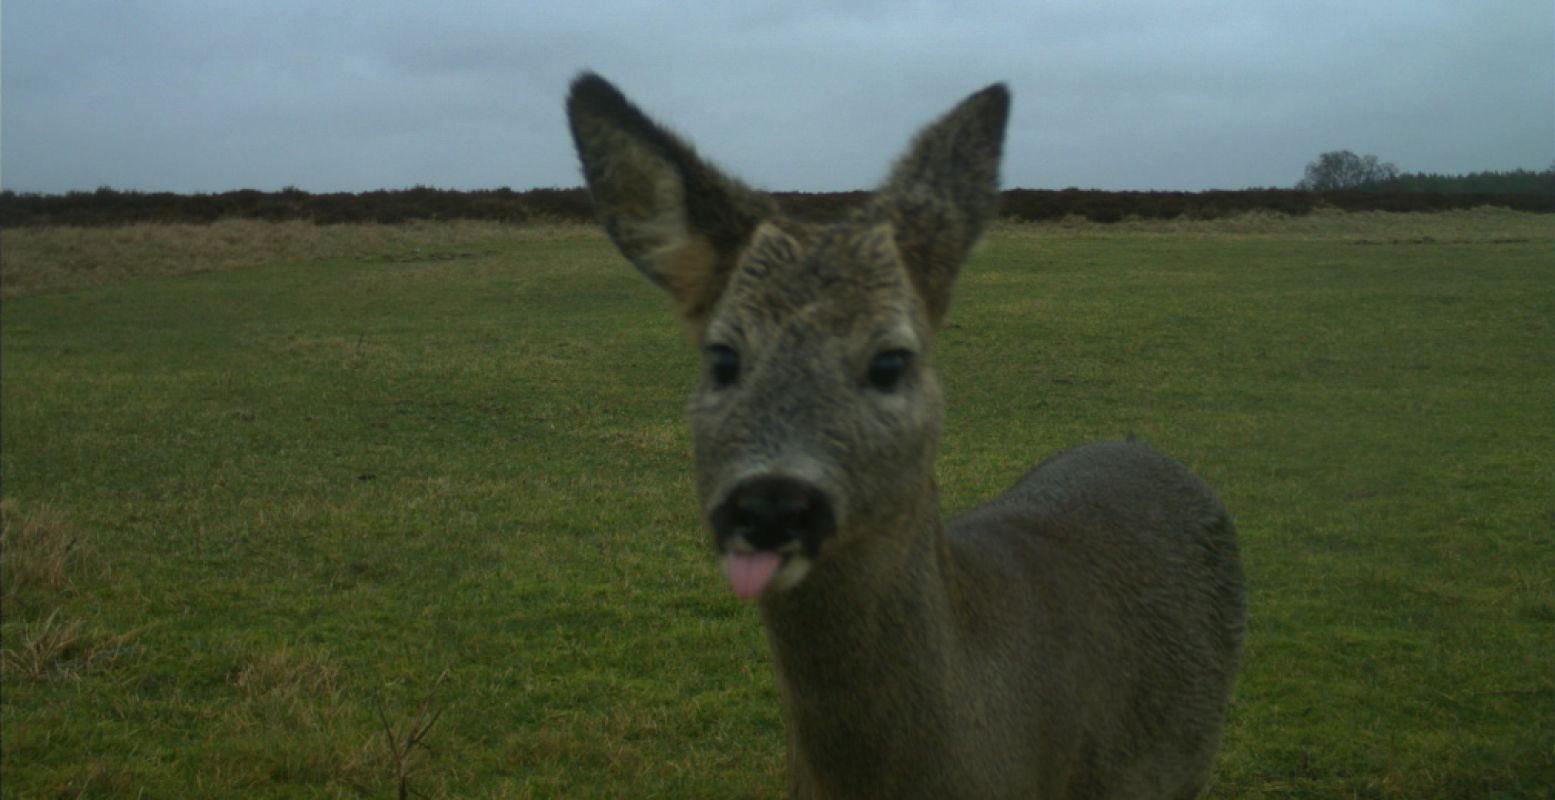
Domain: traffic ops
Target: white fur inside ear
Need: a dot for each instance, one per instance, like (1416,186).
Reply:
(655,222)
(661,243)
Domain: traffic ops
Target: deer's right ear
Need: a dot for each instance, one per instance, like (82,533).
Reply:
(944,191)
(680,221)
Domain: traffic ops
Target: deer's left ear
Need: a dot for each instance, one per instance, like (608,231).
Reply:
(944,191)
(681,222)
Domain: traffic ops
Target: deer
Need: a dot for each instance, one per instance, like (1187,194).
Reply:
(1077,636)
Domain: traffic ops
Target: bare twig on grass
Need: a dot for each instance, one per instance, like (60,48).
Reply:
(403,745)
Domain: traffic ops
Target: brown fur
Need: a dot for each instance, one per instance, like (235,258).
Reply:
(1075,637)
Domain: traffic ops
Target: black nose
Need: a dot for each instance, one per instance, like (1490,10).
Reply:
(771,512)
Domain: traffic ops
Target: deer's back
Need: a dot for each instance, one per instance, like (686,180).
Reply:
(1118,571)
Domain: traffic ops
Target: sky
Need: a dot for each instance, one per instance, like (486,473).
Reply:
(340,95)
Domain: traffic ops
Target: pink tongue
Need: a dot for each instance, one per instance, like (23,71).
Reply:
(749,573)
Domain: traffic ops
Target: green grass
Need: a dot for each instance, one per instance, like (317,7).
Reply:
(256,517)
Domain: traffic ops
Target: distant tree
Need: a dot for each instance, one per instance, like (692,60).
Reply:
(1342,169)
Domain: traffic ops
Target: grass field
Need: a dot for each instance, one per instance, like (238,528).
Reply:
(333,512)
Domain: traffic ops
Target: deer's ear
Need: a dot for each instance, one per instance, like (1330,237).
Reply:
(679,220)
(944,191)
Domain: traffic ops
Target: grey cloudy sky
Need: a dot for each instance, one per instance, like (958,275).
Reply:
(328,95)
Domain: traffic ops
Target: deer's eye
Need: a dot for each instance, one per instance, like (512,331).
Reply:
(723,365)
(887,369)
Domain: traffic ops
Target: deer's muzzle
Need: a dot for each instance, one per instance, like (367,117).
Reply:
(769,528)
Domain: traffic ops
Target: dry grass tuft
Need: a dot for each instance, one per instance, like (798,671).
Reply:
(54,647)
(289,672)
(41,646)
(38,554)
(294,689)
(41,558)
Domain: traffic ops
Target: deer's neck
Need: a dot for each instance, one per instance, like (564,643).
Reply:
(865,652)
